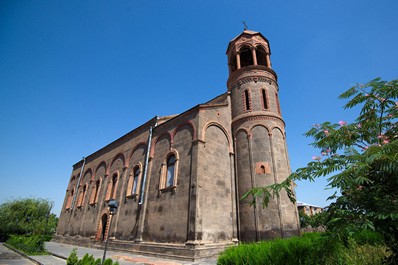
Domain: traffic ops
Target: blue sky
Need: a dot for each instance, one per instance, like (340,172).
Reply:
(76,75)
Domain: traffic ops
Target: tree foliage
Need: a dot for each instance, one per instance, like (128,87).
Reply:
(359,159)
(27,217)
(315,221)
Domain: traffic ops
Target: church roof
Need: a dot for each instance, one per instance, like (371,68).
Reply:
(247,32)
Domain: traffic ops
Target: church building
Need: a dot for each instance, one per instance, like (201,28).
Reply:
(178,179)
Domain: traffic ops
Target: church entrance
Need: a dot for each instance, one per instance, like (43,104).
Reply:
(103,226)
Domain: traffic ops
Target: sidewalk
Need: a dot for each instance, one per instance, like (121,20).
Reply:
(62,251)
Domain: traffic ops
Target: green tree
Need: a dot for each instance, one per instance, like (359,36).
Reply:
(27,217)
(360,160)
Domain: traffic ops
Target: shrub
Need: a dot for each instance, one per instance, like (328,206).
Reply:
(31,245)
(72,259)
(368,237)
(87,260)
(365,254)
(310,249)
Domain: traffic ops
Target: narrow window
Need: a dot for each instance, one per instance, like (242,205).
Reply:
(135,183)
(94,196)
(265,99)
(247,100)
(277,103)
(170,171)
(112,186)
(82,195)
(262,169)
(70,198)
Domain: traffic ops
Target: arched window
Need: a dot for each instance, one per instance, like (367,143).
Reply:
(169,172)
(171,161)
(246,58)
(70,198)
(112,187)
(82,195)
(261,55)
(97,188)
(262,169)
(135,182)
(94,193)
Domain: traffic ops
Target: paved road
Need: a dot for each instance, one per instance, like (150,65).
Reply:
(8,257)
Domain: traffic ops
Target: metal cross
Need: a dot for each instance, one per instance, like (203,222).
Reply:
(244,25)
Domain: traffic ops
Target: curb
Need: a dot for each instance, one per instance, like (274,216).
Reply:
(23,254)
(58,256)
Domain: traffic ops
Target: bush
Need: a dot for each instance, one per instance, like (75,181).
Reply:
(72,259)
(310,249)
(47,238)
(87,260)
(368,237)
(31,245)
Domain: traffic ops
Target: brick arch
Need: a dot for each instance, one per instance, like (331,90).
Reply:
(138,164)
(261,125)
(213,123)
(180,126)
(88,171)
(116,157)
(279,129)
(172,152)
(117,173)
(241,130)
(72,178)
(71,184)
(102,163)
(135,149)
(260,44)
(245,44)
(168,136)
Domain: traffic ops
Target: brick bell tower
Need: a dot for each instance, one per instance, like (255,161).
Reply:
(259,138)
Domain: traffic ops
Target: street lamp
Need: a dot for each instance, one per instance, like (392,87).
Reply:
(112,204)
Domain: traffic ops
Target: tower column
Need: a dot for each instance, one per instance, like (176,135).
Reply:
(254,55)
(268,60)
(237,60)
